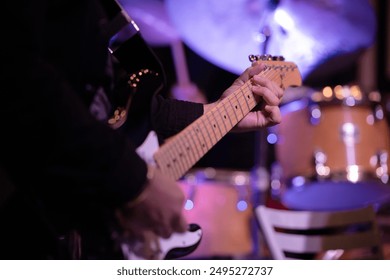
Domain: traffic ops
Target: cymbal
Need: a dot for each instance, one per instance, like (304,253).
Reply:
(153,21)
(222,32)
(310,33)
(306,32)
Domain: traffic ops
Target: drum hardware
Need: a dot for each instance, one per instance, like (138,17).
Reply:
(382,166)
(378,112)
(276,181)
(260,183)
(315,114)
(323,171)
(243,196)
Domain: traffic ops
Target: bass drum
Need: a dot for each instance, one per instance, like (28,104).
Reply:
(219,201)
(332,150)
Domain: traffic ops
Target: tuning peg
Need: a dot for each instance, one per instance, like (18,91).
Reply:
(265,57)
(278,58)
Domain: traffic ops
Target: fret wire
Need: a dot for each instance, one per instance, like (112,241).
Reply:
(179,170)
(191,136)
(189,161)
(226,114)
(221,110)
(223,119)
(164,157)
(188,132)
(160,159)
(171,164)
(210,125)
(195,131)
(169,151)
(250,98)
(243,104)
(217,125)
(239,105)
(229,111)
(205,125)
(182,154)
(174,156)
(242,96)
(186,154)
(232,107)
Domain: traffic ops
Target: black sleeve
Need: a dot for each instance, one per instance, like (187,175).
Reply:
(169,116)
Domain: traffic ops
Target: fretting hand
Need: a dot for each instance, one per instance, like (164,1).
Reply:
(267,92)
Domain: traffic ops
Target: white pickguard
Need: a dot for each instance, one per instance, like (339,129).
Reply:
(147,149)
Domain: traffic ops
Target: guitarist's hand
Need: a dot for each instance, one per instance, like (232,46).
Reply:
(265,90)
(158,209)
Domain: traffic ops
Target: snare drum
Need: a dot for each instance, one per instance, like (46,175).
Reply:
(219,201)
(334,136)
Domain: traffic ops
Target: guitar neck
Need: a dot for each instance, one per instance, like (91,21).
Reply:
(182,151)
(178,155)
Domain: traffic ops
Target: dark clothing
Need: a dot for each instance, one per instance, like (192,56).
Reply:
(68,168)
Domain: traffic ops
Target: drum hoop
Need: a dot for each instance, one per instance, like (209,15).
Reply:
(232,177)
(294,106)
(364,176)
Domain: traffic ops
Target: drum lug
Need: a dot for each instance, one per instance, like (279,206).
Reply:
(240,182)
(276,181)
(382,167)
(379,113)
(321,168)
(315,114)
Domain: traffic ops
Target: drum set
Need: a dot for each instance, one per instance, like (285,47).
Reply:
(331,149)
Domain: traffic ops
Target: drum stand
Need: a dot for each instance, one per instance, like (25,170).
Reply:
(260,185)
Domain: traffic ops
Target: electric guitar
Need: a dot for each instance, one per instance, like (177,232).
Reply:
(175,157)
